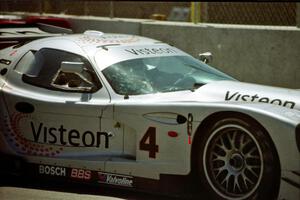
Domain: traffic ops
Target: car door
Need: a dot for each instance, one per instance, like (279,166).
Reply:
(57,107)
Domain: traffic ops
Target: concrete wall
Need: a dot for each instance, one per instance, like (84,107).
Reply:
(259,54)
(104,24)
(298,15)
(265,55)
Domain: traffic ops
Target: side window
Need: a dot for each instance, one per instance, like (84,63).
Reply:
(25,63)
(58,70)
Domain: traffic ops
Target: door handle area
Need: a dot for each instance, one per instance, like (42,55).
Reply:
(24,107)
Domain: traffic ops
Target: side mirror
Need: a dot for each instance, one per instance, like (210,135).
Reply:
(206,57)
(72,76)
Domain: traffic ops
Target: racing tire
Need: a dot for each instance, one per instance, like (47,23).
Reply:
(237,160)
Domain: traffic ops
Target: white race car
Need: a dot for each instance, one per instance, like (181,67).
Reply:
(133,112)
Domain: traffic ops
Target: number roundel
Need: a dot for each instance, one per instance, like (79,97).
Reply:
(148,142)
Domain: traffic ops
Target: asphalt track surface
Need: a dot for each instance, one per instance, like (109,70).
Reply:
(21,188)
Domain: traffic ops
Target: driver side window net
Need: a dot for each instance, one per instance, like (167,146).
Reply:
(43,67)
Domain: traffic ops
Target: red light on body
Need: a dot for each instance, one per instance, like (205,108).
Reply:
(172,134)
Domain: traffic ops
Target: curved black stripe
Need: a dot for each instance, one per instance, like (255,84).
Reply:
(291,182)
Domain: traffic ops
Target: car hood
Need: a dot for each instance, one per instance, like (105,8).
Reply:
(233,91)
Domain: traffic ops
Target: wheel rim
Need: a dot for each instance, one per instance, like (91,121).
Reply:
(233,162)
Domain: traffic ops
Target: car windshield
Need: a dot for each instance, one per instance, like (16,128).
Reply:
(160,74)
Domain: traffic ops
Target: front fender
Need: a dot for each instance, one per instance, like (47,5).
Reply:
(280,123)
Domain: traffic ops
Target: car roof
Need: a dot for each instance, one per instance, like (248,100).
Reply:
(91,41)
(96,38)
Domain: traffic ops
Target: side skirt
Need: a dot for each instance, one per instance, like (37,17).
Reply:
(169,185)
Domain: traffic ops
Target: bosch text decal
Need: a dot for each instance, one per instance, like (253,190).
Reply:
(52,170)
(255,98)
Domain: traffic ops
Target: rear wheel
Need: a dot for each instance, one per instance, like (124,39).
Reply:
(237,160)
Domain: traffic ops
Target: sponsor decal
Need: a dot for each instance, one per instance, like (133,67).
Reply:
(44,136)
(52,170)
(64,137)
(114,179)
(151,51)
(81,174)
(19,143)
(230,96)
(13,53)
(107,39)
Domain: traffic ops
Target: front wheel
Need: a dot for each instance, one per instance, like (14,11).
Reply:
(237,160)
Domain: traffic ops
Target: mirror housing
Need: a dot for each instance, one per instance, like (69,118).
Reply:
(70,77)
(72,67)
(206,57)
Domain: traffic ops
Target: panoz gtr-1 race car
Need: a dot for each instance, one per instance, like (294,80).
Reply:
(133,112)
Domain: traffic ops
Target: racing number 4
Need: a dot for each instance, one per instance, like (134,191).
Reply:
(148,142)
